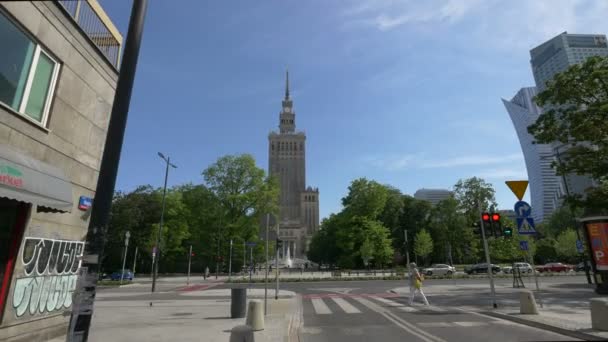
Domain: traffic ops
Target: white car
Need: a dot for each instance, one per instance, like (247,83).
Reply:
(439,269)
(523,267)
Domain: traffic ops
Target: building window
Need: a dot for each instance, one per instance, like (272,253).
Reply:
(27,73)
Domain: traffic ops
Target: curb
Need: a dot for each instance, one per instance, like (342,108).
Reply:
(570,333)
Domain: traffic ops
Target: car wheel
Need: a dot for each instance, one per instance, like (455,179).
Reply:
(429,273)
(449,273)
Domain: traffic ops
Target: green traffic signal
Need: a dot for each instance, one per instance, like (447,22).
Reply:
(508,232)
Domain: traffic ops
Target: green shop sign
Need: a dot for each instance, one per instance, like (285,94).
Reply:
(11,175)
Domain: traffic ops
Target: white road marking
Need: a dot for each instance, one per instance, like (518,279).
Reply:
(470,324)
(346,306)
(434,308)
(320,307)
(435,324)
(411,328)
(407,309)
(387,301)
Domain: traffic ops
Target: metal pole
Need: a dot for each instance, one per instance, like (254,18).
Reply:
(230,262)
(250,262)
(189,261)
(487,252)
(160,227)
(84,296)
(535,278)
(217,257)
(276,260)
(134,261)
(244,256)
(266,270)
(124,260)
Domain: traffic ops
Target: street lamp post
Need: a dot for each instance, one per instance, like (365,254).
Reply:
(124,260)
(230,262)
(162,217)
(84,295)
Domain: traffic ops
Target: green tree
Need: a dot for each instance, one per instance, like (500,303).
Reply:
(545,250)
(245,195)
(576,114)
(365,198)
(423,245)
(565,246)
(415,216)
(560,220)
(472,192)
(452,237)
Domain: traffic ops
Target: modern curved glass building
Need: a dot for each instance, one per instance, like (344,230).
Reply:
(538,157)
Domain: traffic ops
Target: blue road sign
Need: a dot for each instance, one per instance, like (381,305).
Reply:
(523,245)
(579,246)
(522,209)
(525,226)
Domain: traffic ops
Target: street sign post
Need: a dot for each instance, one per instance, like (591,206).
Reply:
(518,188)
(522,209)
(579,246)
(525,226)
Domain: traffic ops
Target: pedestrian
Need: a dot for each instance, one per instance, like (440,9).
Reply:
(416,284)
(206,272)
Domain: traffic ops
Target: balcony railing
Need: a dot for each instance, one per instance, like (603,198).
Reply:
(94,21)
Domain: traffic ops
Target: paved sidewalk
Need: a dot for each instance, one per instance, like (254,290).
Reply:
(186,320)
(565,307)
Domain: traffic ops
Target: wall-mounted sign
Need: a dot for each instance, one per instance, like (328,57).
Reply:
(10,175)
(84,203)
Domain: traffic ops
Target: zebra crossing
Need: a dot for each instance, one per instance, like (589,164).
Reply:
(353,304)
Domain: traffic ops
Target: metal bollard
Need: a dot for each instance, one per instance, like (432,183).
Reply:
(599,313)
(255,315)
(242,333)
(238,303)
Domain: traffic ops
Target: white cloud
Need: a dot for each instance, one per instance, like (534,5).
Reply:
(513,24)
(472,161)
(504,173)
(418,161)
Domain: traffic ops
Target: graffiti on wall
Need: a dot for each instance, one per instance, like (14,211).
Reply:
(50,274)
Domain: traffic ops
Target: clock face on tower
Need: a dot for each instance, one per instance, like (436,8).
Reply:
(287,109)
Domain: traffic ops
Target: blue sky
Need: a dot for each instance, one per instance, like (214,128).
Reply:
(403,92)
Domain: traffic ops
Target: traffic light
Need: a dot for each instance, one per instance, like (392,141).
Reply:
(485,217)
(192,254)
(495,217)
(507,232)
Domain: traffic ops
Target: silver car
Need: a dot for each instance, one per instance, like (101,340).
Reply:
(439,269)
(523,267)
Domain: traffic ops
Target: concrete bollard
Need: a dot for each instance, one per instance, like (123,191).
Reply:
(255,315)
(527,303)
(242,333)
(599,313)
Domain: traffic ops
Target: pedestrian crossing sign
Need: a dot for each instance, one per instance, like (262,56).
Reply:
(525,226)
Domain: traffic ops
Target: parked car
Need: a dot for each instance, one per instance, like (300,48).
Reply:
(482,268)
(554,267)
(439,269)
(523,267)
(128,275)
(580,267)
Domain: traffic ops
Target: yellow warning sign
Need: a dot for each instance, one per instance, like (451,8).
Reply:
(518,187)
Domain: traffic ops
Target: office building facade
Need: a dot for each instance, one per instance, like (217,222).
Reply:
(544,183)
(433,195)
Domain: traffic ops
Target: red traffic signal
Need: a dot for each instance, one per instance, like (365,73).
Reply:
(192,254)
(495,217)
(485,217)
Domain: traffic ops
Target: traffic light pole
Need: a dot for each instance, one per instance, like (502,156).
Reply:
(189,261)
(276,260)
(84,296)
(487,252)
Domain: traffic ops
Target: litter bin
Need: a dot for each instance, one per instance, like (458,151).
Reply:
(238,303)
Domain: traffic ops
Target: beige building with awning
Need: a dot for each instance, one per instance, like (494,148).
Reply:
(58,75)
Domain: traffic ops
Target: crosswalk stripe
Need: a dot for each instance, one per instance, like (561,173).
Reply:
(407,309)
(434,308)
(388,302)
(346,306)
(320,307)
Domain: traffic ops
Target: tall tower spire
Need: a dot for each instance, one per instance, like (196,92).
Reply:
(287,84)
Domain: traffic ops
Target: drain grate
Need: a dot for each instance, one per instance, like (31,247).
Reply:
(182,314)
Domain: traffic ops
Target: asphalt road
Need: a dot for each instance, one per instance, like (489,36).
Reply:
(367,310)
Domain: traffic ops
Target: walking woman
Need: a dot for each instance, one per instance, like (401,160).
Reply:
(416,284)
